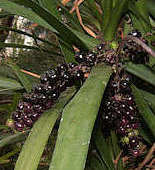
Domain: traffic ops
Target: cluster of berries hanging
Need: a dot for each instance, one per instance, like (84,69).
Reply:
(121,114)
(52,83)
(135,52)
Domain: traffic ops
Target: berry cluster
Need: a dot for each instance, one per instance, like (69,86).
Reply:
(135,52)
(44,94)
(120,113)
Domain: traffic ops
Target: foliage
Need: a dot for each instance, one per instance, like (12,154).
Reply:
(76,117)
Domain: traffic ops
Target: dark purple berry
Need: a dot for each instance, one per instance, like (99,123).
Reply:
(80,57)
(35,116)
(100,47)
(44,78)
(72,65)
(16,116)
(19,125)
(28,122)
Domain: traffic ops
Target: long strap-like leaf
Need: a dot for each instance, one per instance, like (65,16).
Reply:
(77,122)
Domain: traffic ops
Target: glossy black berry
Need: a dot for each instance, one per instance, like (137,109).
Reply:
(135,33)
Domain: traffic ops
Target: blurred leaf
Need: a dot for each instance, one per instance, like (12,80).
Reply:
(18,137)
(27,34)
(144,110)
(34,146)
(25,12)
(140,16)
(94,10)
(15,102)
(94,163)
(22,77)
(146,136)
(116,149)
(3,126)
(13,45)
(64,32)
(141,71)
(51,6)
(104,149)
(9,84)
(151,7)
(9,154)
(4,14)
(77,122)
(67,52)
(91,42)
(150,98)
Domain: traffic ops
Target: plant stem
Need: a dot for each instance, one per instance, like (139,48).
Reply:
(111,28)
(142,44)
(107,7)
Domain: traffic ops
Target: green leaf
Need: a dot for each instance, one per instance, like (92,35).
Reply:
(94,163)
(146,135)
(91,42)
(51,6)
(141,71)
(104,149)
(8,83)
(27,34)
(151,7)
(77,122)
(67,52)
(18,137)
(144,110)
(116,149)
(22,77)
(34,146)
(140,16)
(150,98)
(13,45)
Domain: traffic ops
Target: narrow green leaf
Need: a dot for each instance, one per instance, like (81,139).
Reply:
(34,146)
(77,122)
(116,149)
(18,137)
(150,98)
(13,45)
(141,71)
(151,7)
(51,6)
(141,16)
(146,136)
(22,77)
(9,83)
(68,52)
(94,163)
(91,42)
(144,110)
(27,34)
(9,154)
(104,149)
